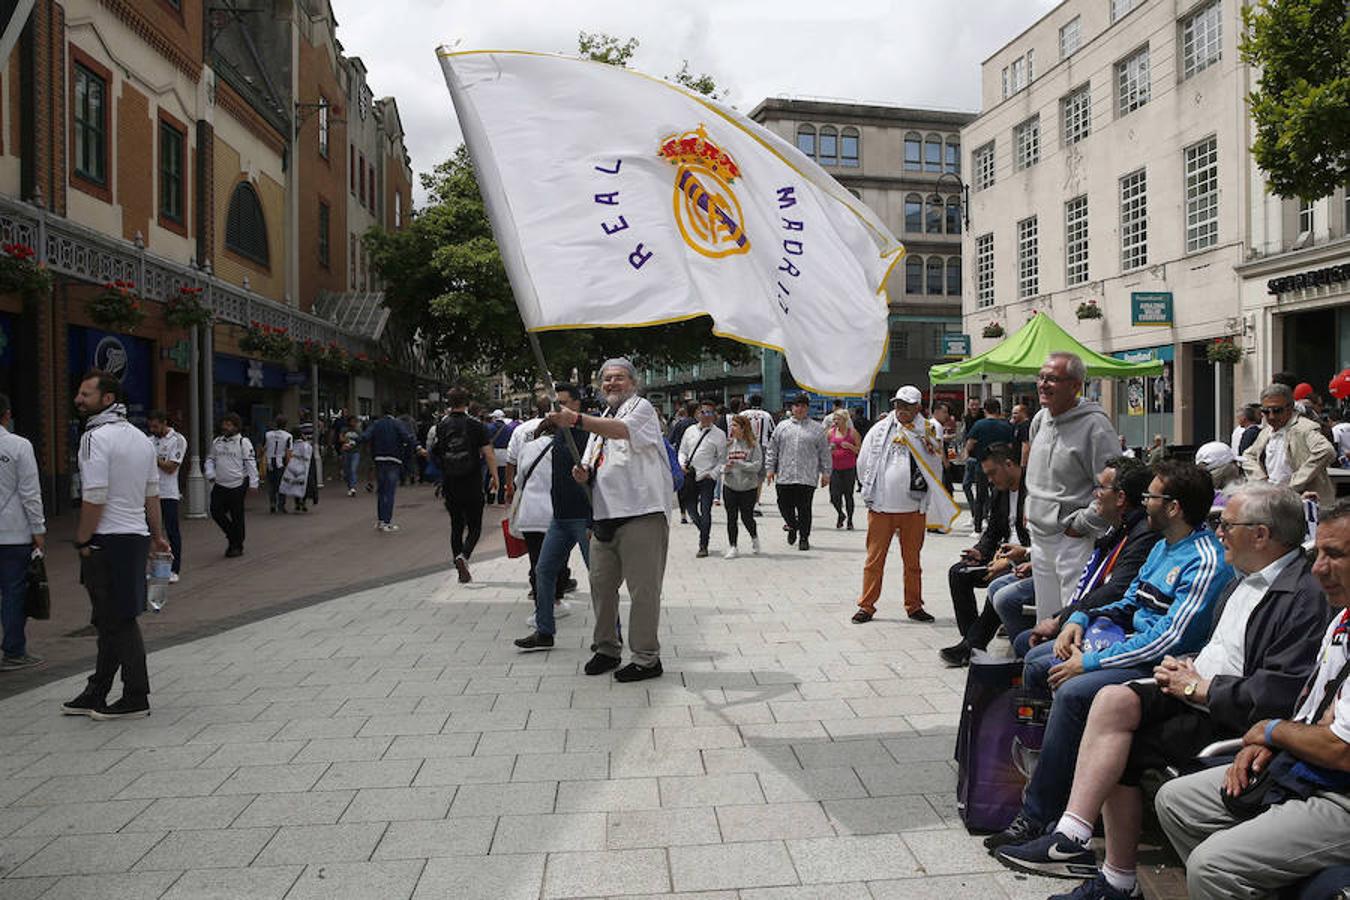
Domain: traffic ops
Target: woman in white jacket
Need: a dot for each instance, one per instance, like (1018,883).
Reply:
(533,510)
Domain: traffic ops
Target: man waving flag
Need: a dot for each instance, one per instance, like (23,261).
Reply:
(622,200)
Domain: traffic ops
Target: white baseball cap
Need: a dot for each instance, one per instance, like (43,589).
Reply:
(498,414)
(1214,454)
(908,394)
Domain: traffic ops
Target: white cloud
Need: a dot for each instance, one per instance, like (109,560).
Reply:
(899,52)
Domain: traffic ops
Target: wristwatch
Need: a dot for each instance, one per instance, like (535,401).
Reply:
(1189,690)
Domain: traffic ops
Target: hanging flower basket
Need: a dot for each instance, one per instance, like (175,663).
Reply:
(992,330)
(185,309)
(118,307)
(1224,350)
(361,364)
(21,272)
(308,352)
(1088,310)
(267,341)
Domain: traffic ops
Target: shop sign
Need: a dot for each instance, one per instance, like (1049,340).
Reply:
(1312,278)
(126,358)
(252,373)
(297,377)
(181,354)
(1151,308)
(955,345)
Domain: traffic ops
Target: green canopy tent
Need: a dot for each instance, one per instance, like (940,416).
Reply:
(1019,358)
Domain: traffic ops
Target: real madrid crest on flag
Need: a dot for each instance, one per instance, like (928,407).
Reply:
(621,200)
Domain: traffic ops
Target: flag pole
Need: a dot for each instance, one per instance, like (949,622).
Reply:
(552,394)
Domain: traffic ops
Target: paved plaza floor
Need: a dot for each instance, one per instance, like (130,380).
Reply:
(392,743)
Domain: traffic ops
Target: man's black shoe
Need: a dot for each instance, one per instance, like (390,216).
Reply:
(234,551)
(921,615)
(792,536)
(804,545)
(599,664)
(956,656)
(634,672)
(757,514)
(570,586)
(82,705)
(122,709)
(1019,831)
(702,552)
(535,641)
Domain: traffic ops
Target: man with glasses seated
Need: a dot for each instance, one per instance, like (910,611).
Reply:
(1166,611)
(1291,449)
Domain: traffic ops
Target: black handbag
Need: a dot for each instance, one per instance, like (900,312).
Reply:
(37,602)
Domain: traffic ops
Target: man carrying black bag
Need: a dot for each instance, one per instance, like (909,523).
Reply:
(119,520)
(22,532)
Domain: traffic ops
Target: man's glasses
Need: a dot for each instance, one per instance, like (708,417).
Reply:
(1223,525)
(1100,488)
(1042,378)
(1149,495)
(1272,410)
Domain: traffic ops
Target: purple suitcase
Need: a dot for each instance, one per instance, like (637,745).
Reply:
(997,726)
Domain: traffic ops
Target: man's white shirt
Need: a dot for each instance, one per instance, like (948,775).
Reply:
(231,462)
(276,444)
(632,476)
(711,452)
(1225,652)
(172,447)
(118,471)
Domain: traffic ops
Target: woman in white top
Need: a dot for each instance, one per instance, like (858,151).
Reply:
(295,478)
(533,502)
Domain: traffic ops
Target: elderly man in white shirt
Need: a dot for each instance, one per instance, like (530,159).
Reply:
(703,452)
(625,463)
(23,529)
(232,467)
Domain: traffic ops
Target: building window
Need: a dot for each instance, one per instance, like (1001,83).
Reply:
(1031,65)
(932,154)
(1133,221)
(1005,82)
(848,148)
(351,260)
(361,178)
(914,275)
(953,215)
(934,267)
(1070,37)
(953,161)
(913,213)
(1017,78)
(1120,8)
(953,276)
(1306,217)
(1027,143)
(91,125)
(1201,39)
(323,126)
(983,164)
(1028,259)
(1132,85)
(913,152)
(363,102)
(171,153)
(325,249)
(933,217)
(1076,114)
(984,271)
(1202,195)
(351,167)
(1076,240)
(829,146)
(398,210)
(806,140)
(245,227)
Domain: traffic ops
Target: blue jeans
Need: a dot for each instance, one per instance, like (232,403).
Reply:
(13,591)
(386,474)
(168,514)
(351,464)
(699,506)
(561,537)
(1008,594)
(1048,793)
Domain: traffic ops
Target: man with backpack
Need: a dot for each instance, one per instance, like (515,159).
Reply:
(459,445)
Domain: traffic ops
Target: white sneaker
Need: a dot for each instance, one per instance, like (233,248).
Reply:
(351,492)
(730,553)
(754,546)
(562,609)
(173,578)
(529,623)
(391,527)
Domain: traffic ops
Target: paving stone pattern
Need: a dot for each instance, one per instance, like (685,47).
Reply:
(393,744)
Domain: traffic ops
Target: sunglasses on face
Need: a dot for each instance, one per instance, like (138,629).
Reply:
(1272,410)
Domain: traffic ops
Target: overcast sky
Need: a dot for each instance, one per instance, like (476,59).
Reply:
(901,52)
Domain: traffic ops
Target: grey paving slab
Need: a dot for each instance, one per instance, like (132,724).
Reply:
(504,799)
(426,839)
(561,766)
(175,783)
(88,854)
(14,850)
(118,886)
(25,888)
(253,883)
(386,879)
(710,790)
(724,866)
(309,844)
(614,794)
(265,753)
(370,774)
(394,804)
(207,849)
(774,821)
(882,815)
(272,779)
(177,813)
(417,746)
(844,859)
(852,891)
(549,833)
(82,818)
(606,872)
(323,808)
(518,877)
(465,770)
(638,828)
(789,785)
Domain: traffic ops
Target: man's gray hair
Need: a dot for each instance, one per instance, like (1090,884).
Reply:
(1278,390)
(623,363)
(1274,506)
(1073,364)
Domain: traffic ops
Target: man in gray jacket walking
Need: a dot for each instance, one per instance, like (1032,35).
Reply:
(799,453)
(1071,440)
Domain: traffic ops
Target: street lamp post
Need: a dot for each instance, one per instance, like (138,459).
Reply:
(965,194)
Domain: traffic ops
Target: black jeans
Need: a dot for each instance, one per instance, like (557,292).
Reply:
(168,514)
(841,491)
(464,501)
(275,499)
(698,505)
(794,502)
(739,503)
(114,576)
(963,582)
(227,509)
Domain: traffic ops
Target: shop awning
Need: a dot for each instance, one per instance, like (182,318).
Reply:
(1019,358)
(361,313)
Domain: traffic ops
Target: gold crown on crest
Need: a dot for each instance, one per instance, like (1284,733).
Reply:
(693,148)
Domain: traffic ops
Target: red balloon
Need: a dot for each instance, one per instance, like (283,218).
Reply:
(1339,387)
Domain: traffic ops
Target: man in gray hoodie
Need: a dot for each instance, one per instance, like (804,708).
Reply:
(1071,440)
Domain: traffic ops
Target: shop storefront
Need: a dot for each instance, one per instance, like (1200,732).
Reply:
(253,388)
(1145,407)
(127,358)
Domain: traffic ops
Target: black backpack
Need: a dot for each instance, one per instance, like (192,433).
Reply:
(452,451)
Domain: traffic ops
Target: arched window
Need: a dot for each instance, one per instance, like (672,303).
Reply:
(914,275)
(245,227)
(806,140)
(829,146)
(913,213)
(952,163)
(953,276)
(933,217)
(935,275)
(932,154)
(913,152)
(849,142)
(953,215)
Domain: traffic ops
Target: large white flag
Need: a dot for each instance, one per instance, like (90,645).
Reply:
(619,200)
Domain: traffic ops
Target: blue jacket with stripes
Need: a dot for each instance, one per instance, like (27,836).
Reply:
(1169,605)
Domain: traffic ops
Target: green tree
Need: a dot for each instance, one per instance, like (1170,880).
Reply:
(1301,107)
(606,48)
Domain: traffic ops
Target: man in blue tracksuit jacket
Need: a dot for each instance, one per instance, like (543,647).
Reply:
(391,442)
(1165,611)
